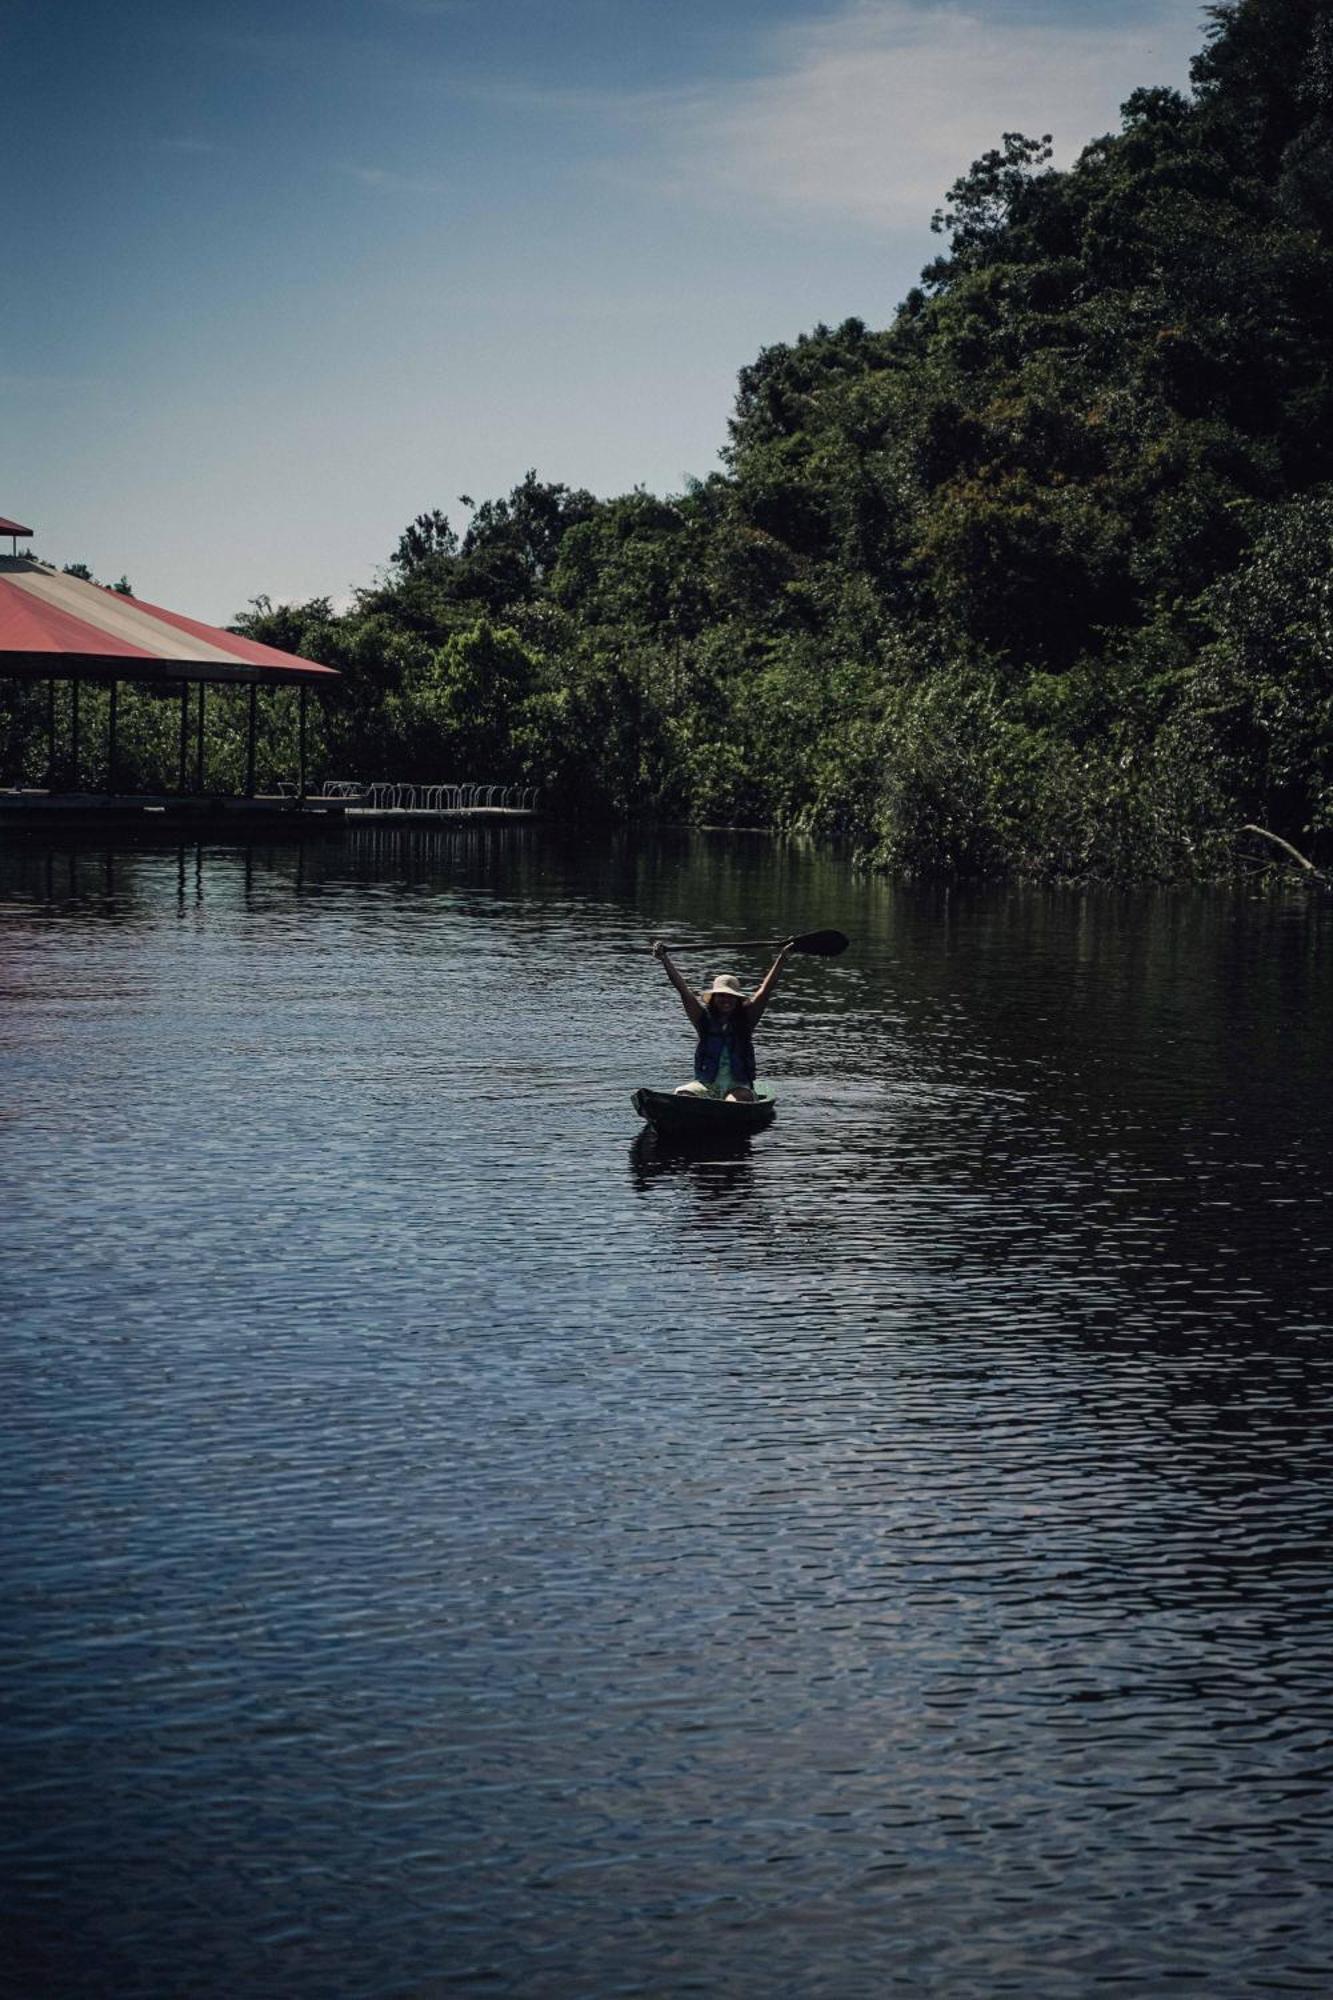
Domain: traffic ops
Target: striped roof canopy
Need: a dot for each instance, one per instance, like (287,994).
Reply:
(58,627)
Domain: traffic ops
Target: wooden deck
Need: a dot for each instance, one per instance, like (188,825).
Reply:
(33,811)
(38,811)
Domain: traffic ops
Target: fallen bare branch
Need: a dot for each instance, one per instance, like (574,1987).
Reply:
(1300,859)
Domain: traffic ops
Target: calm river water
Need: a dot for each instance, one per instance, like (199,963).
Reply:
(451,1548)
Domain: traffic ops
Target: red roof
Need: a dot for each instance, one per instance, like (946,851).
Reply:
(13,527)
(62,627)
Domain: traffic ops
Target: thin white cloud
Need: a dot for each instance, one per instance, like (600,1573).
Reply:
(385,181)
(869,115)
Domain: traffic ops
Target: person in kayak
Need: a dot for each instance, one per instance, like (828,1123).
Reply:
(724,1018)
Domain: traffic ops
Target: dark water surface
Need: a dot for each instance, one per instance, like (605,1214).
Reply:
(449,1548)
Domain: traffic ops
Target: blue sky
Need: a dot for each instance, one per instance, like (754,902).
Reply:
(292,272)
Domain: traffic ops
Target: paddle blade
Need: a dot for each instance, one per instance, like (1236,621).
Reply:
(822,944)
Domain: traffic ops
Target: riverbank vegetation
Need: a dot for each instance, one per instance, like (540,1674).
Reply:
(1038,578)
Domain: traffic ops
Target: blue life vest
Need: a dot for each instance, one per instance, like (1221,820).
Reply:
(734,1036)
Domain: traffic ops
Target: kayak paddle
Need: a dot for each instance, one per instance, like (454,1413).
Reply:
(820,944)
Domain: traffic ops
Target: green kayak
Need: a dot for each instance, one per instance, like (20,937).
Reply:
(677,1117)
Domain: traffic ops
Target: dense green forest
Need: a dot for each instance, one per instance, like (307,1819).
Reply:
(1037,578)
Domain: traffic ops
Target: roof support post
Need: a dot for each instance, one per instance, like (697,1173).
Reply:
(301,741)
(51,735)
(111,718)
(183,759)
(74,735)
(199,741)
(250,741)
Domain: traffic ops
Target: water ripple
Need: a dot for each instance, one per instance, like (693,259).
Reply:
(453,1545)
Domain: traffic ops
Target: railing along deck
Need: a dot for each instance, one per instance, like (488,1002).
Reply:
(383,800)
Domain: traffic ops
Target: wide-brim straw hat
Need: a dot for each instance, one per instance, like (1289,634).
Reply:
(725,982)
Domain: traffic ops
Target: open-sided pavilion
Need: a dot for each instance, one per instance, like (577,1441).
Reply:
(57,627)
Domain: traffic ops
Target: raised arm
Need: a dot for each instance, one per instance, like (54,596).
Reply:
(763,993)
(689,998)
